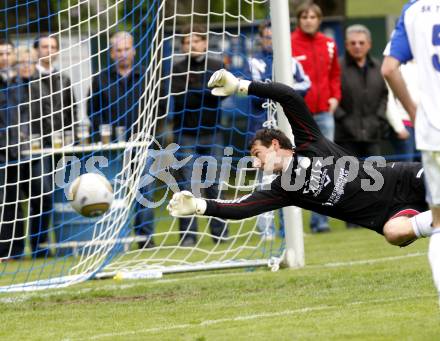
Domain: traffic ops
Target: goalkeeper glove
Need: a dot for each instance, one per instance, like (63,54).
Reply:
(225,83)
(184,203)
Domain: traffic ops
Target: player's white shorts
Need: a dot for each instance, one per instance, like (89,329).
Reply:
(431,164)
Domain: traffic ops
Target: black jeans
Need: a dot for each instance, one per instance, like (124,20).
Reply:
(37,187)
(12,238)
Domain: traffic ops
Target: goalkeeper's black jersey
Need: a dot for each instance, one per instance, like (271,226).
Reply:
(323,177)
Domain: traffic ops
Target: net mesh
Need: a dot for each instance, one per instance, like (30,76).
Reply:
(166,133)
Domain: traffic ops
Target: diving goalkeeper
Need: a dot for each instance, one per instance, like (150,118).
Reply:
(387,198)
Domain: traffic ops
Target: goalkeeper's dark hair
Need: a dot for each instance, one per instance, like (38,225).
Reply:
(265,136)
(196,29)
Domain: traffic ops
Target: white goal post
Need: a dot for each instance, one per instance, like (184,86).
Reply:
(279,13)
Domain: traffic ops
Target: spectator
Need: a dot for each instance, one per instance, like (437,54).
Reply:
(114,99)
(26,63)
(260,66)
(38,188)
(360,116)
(196,116)
(54,89)
(403,135)
(116,91)
(12,226)
(63,110)
(319,57)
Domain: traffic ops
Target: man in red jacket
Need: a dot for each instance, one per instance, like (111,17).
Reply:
(318,55)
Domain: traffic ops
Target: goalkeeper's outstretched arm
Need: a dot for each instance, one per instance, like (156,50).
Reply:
(303,125)
(184,203)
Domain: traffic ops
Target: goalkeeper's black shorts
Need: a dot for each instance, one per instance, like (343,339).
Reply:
(410,191)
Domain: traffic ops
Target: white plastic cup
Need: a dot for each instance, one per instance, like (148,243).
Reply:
(106,133)
(36,141)
(83,134)
(68,137)
(120,133)
(57,139)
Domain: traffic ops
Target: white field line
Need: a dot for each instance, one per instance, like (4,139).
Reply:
(367,261)
(247,317)
(23,297)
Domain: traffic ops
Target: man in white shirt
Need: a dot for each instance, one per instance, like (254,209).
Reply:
(417,36)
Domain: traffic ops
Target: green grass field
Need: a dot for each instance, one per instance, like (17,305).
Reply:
(355,286)
(370,8)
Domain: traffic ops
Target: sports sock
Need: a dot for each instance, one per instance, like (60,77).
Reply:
(421,224)
(434,257)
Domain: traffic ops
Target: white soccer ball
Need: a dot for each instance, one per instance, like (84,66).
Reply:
(91,195)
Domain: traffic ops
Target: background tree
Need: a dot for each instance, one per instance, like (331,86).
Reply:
(329,7)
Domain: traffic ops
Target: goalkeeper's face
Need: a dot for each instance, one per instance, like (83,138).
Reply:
(272,158)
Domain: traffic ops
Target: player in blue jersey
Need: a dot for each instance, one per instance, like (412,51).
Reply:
(417,37)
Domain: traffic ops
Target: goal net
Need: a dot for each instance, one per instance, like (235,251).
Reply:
(119,87)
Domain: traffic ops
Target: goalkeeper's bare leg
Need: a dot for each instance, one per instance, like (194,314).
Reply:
(407,226)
